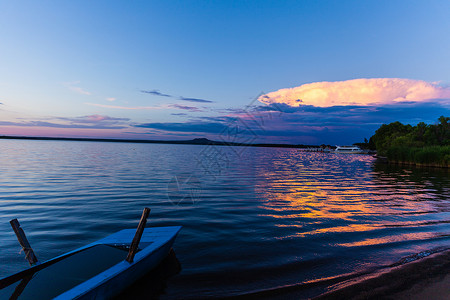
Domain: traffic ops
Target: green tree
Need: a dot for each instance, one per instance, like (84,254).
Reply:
(387,134)
(420,144)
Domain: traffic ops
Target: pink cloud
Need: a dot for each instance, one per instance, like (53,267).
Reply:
(185,107)
(74,88)
(125,107)
(362,91)
(60,132)
(99,118)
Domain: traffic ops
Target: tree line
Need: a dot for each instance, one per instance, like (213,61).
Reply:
(423,144)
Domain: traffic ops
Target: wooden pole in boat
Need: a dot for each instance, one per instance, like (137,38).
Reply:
(138,235)
(29,253)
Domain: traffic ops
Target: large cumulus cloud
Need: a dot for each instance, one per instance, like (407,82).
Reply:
(373,91)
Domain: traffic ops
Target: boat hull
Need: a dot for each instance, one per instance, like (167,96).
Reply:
(117,284)
(351,152)
(95,271)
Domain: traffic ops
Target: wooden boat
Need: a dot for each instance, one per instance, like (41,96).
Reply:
(96,271)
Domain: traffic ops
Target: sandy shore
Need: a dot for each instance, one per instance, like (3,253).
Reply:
(426,278)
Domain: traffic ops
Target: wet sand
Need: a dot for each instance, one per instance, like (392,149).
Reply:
(425,278)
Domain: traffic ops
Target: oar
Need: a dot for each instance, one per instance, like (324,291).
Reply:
(20,287)
(138,235)
(29,253)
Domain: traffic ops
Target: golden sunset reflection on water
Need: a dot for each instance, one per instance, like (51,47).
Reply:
(324,196)
(417,236)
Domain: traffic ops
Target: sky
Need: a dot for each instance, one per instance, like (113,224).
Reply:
(301,72)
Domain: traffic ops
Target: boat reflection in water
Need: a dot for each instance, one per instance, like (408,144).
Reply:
(154,283)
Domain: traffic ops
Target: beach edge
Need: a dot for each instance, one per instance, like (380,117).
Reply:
(425,278)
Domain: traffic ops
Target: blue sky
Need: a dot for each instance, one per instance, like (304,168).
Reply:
(185,69)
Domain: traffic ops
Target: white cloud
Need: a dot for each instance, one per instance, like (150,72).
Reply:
(74,88)
(358,92)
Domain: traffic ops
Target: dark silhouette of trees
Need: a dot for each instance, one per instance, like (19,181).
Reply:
(422,144)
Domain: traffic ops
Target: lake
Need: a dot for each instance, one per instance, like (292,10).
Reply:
(255,220)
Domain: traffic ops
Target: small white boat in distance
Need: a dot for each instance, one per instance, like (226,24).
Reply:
(349,150)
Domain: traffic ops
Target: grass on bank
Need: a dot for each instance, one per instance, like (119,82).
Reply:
(429,155)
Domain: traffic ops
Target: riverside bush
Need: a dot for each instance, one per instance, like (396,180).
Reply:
(421,144)
(432,155)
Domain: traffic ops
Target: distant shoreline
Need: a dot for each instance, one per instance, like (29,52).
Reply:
(197,141)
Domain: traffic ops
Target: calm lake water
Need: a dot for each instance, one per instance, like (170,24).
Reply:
(254,219)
